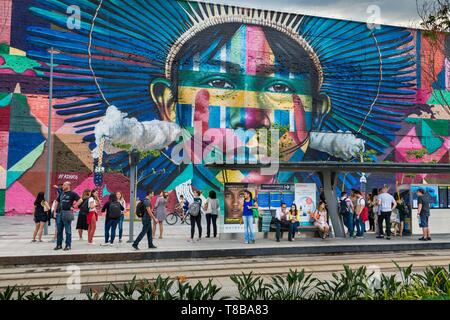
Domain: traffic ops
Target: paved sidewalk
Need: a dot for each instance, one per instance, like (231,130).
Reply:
(16,232)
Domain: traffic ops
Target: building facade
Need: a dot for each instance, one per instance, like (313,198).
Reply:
(150,74)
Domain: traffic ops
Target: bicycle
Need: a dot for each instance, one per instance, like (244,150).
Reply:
(172,218)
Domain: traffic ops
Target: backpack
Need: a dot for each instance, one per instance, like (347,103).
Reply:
(114,210)
(194,209)
(141,209)
(84,207)
(343,208)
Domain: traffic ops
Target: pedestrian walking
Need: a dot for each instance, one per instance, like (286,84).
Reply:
(247,216)
(41,207)
(82,223)
(160,213)
(387,204)
(121,200)
(212,210)
(68,200)
(145,211)
(113,210)
(195,214)
(92,218)
(423,213)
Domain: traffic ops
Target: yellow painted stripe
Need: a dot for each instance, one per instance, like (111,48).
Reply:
(243,99)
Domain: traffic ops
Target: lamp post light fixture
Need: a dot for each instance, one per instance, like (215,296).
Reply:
(48,174)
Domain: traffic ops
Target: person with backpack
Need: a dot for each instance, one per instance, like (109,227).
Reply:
(67,200)
(346,212)
(212,210)
(113,210)
(144,210)
(360,214)
(196,215)
(82,223)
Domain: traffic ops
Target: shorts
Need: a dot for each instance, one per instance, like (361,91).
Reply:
(40,218)
(423,220)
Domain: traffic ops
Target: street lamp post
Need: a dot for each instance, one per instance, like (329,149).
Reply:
(48,174)
(134,159)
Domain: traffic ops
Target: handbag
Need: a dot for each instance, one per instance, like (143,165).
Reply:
(67,216)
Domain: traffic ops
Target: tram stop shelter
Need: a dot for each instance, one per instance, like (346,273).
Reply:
(328,171)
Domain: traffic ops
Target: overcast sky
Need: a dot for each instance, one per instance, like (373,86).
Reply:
(392,12)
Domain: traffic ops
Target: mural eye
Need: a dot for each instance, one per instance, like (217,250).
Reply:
(280,88)
(220,84)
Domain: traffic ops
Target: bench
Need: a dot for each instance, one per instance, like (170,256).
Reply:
(302,229)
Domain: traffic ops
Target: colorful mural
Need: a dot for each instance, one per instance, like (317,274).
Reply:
(153,74)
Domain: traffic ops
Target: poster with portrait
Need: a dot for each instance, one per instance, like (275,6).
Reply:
(306,201)
(234,203)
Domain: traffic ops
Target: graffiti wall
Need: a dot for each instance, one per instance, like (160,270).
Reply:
(157,74)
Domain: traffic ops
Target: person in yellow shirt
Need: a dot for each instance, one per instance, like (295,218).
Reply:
(294,219)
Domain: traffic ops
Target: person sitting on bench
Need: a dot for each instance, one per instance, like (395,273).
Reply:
(294,219)
(281,220)
(320,220)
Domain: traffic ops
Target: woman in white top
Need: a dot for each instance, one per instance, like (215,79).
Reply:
(122,215)
(92,217)
(320,219)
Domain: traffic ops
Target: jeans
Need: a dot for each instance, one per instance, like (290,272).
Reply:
(63,225)
(278,225)
(122,217)
(349,223)
(196,220)
(110,225)
(92,227)
(360,226)
(293,228)
(248,228)
(146,230)
(211,218)
(385,215)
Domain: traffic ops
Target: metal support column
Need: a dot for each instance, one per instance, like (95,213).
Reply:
(330,195)
(134,159)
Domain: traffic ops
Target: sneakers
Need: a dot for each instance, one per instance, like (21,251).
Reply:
(58,248)
(67,248)
(388,238)
(380,237)
(135,247)
(152,247)
(422,239)
(104,244)
(120,240)
(428,239)
(111,244)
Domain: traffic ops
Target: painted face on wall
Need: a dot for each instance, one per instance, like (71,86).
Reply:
(246,77)
(234,201)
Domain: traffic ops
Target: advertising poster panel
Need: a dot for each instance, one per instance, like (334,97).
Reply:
(234,203)
(306,200)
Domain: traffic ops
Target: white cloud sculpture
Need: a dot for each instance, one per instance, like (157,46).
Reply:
(144,136)
(343,145)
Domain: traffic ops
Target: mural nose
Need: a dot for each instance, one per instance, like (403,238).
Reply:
(251,118)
